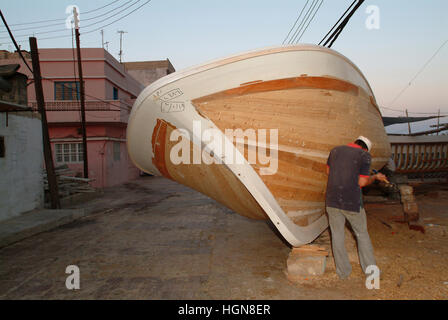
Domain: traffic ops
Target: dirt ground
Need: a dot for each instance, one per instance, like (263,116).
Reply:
(155,239)
(413,264)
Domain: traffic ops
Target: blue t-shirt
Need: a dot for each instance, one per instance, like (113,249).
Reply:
(347,164)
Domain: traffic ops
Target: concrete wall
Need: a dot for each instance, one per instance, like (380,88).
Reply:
(104,168)
(21,178)
(146,72)
(147,77)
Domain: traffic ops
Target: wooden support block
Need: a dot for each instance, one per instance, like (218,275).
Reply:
(309,249)
(308,260)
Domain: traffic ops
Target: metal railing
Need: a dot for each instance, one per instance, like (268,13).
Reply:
(90,105)
(416,157)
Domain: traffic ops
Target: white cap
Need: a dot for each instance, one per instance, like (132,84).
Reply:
(366,141)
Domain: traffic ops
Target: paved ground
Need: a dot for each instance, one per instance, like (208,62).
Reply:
(155,239)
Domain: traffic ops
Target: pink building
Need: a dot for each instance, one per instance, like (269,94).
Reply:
(110,93)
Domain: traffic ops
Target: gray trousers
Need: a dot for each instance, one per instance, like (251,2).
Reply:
(358,222)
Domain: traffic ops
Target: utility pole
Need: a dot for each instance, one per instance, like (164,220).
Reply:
(102,38)
(409,124)
(121,41)
(51,175)
(107,45)
(81,89)
(438,121)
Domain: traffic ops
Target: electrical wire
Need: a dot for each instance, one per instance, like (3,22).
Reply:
(338,21)
(14,41)
(334,36)
(301,11)
(59,30)
(106,25)
(419,72)
(103,14)
(310,21)
(115,14)
(58,24)
(89,31)
(35,27)
(87,12)
(413,112)
(62,19)
(299,28)
(116,19)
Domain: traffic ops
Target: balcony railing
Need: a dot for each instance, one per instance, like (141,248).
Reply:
(90,105)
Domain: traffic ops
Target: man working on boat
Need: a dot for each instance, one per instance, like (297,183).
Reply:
(348,170)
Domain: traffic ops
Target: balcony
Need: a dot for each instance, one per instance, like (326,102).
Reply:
(96,111)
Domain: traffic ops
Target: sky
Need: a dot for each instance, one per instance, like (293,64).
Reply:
(196,31)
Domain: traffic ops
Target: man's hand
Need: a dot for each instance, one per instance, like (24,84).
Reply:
(381,177)
(365,181)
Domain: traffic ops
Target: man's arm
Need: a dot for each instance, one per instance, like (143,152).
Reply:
(365,181)
(364,178)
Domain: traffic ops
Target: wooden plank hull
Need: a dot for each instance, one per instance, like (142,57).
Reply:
(311,97)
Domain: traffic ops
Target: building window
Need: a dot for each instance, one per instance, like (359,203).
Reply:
(2,147)
(66,90)
(117,151)
(69,152)
(115,93)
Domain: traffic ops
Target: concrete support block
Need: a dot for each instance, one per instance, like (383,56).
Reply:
(410,211)
(406,190)
(410,207)
(408,198)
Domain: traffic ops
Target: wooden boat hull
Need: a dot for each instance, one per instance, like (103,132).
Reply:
(313,99)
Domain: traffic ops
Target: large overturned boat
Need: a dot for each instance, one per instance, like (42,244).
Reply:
(253,131)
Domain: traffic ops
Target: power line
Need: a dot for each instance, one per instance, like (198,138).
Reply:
(20,36)
(338,21)
(47,38)
(299,28)
(301,11)
(299,31)
(62,19)
(334,36)
(26,63)
(35,27)
(413,112)
(419,72)
(14,41)
(92,24)
(58,24)
(87,12)
(118,18)
(310,21)
(101,15)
